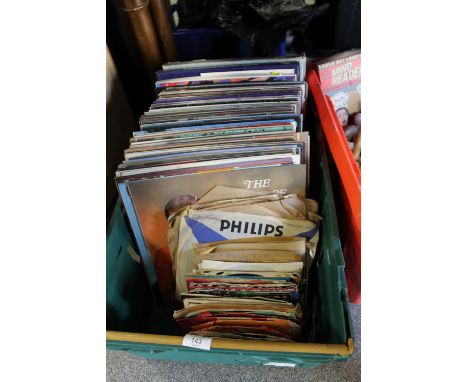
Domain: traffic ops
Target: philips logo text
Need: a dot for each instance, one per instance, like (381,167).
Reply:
(251,228)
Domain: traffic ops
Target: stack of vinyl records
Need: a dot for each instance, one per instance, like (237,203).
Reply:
(239,257)
(215,188)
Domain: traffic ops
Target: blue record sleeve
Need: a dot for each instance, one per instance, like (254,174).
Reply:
(132,217)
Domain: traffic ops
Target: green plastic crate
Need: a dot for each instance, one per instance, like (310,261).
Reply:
(129,301)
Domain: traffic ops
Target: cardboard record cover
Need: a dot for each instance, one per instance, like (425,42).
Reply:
(207,139)
(204,169)
(155,126)
(157,137)
(172,136)
(295,158)
(224,100)
(241,87)
(233,88)
(219,115)
(201,80)
(243,146)
(208,155)
(228,92)
(149,147)
(139,142)
(142,135)
(227,108)
(219,63)
(185,76)
(215,149)
(278,67)
(244,87)
(153,200)
(160,126)
(225,97)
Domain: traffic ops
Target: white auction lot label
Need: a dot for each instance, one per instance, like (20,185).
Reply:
(197,342)
(280,364)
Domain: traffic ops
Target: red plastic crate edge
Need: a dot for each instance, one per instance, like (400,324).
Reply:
(350,175)
(336,138)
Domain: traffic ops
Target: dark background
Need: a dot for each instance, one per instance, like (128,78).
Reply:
(335,29)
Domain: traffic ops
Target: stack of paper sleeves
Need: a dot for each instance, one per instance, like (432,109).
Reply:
(215,188)
(239,257)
